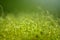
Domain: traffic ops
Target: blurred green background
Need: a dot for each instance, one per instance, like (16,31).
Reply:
(14,6)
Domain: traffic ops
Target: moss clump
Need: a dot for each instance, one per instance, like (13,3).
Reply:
(30,27)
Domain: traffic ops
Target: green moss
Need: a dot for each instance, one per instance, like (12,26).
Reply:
(30,27)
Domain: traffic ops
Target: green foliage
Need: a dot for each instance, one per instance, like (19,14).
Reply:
(32,26)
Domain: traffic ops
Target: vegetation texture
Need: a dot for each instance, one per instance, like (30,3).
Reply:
(30,26)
